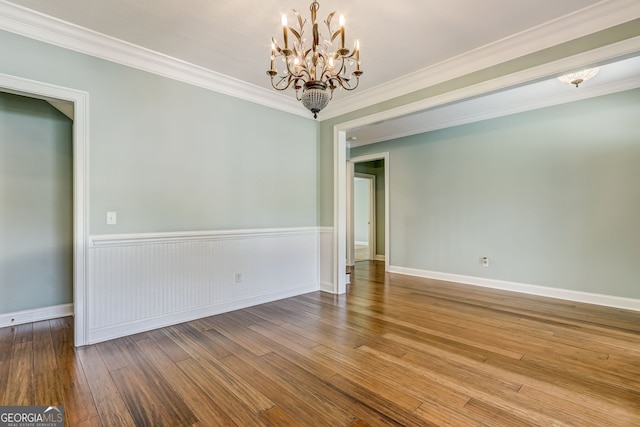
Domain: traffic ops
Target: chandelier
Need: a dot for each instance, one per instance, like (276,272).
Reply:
(579,77)
(314,70)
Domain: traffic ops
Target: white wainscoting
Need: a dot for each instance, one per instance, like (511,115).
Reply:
(326,260)
(140,282)
(544,291)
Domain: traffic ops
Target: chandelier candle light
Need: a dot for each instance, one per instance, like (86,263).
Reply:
(314,71)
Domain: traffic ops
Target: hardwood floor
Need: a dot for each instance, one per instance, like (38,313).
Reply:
(395,350)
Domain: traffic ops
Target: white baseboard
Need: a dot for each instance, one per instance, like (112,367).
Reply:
(361,243)
(381,258)
(35,315)
(104,334)
(544,291)
(326,287)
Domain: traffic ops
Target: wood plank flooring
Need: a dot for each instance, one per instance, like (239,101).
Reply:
(395,350)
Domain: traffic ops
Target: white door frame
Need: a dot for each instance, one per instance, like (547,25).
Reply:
(80,102)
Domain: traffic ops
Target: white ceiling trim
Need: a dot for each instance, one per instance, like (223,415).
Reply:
(599,16)
(595,56)
(45,28)
(35,25)
(513,108)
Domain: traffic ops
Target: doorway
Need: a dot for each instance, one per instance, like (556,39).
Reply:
(80,133)
(368,213)
(364,218)
(36,218)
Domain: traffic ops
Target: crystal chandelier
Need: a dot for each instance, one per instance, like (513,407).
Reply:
(579,77)
(314,70)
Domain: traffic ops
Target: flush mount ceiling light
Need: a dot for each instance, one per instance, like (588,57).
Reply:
(315,68)
(579,77)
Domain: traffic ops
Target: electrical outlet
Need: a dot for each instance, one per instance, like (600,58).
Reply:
(485,261)
(238,277)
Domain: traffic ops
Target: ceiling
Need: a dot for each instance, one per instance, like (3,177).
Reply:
(617,76)
(415,38)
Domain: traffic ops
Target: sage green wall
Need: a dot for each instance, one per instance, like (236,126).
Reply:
(168,156)
(584,44)
(550,196)
(36,210)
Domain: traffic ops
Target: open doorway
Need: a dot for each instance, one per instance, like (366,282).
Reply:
(36,216)
(364,218)
(79,100)
(368,209)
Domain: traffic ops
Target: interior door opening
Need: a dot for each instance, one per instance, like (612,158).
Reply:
(364,218)
(367,209)
(79,103)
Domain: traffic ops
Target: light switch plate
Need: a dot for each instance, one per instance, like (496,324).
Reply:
(111,218)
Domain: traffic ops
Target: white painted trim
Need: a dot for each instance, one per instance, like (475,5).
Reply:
(326,259)
(340,204)
(103,334)
(582,60)
(381,258)
(326,287)
(543,291)
(518,106)
(35,315)
(116,240)
(80,137)
(38,26)
(361,243)
(351,223)
(598,17)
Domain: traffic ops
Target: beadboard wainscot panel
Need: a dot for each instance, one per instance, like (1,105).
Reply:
(326,259)
(145,281)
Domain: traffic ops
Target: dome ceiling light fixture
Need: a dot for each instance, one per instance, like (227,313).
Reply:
(579,77)
(314,70)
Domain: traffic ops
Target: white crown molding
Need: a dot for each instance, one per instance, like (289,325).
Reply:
(513,108)
(28,23)
(544,291)
(581,60)
(38,26)
(598,17)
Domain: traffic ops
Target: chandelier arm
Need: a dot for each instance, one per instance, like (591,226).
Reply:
(345,83)
(348,86)
(342,68)
(277,86)
(293,74)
